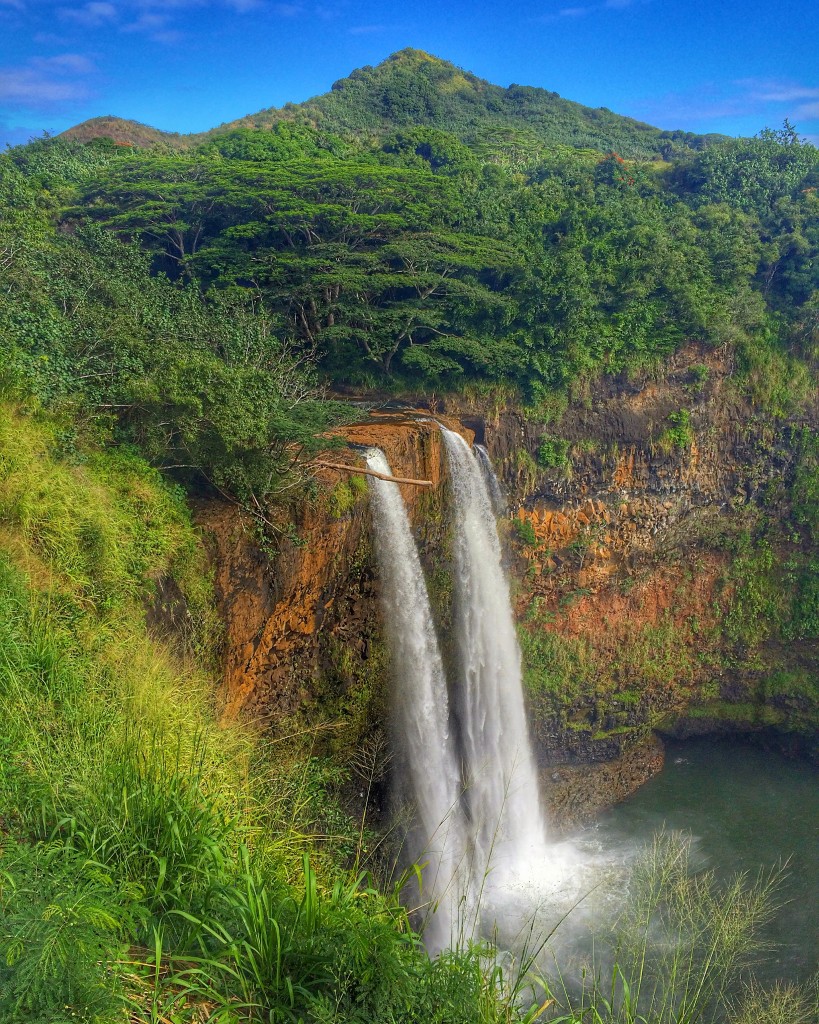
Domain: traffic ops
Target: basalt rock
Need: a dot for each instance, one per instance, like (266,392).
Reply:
(625,564)
(304,642)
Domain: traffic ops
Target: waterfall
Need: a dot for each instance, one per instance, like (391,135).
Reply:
(421,709)
(480,830)
(501,789)
(494,488)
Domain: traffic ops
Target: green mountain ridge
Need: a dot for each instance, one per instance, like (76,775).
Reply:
(413,88)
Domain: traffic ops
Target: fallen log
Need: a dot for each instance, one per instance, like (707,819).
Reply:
(371,472)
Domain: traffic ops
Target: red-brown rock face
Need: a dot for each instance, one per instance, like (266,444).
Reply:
(621,576)
(284,611)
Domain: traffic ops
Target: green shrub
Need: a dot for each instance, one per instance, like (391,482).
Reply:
(679,435)
(345,495)
(525,532)
(553,452)
(63,923)
(755,608)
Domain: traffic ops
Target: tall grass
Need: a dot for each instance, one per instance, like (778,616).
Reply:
(153,864)
(678,951)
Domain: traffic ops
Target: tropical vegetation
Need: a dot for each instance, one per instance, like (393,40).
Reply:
(187,318)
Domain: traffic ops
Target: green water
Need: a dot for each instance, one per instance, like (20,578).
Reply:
(747,809)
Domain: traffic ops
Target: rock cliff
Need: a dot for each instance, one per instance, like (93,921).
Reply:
(631,526)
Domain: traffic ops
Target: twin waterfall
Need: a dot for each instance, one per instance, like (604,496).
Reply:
(467,763)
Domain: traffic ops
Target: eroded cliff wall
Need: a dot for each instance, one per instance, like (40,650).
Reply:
(304,647)
(665,576)
(655,555)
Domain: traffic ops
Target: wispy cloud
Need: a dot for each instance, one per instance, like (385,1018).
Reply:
(90,15)
(773,90)
(45,82)
(768,100)
(100,13)
(156,27)
(582,10)
(65,64)
(146,23)
(50,39)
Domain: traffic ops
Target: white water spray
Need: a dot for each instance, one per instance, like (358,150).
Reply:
(506,821)
(494,488)
(480,829)
(421,708)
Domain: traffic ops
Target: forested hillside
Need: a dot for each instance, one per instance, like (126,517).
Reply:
(187,317)
(413,264)
(411,88)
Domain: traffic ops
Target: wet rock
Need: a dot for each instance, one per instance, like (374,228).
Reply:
(577,793)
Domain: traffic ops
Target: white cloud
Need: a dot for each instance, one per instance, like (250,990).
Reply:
(775,90)
(64,63)
(147,23)
(157,28)
(768,101)
(50,39)
(46,81)
(90,15)
(580,11)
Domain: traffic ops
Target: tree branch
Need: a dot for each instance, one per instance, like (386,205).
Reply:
(371,472)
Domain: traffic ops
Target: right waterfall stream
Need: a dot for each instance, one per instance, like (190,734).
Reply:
(507,826)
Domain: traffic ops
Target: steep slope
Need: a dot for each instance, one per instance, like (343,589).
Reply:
(413,88)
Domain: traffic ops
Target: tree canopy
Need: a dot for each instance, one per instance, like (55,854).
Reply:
(202,298)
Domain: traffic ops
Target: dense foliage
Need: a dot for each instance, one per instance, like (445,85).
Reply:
(412,87)
(200,296)
(203,385)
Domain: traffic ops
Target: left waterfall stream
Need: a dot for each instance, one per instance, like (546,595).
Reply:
(421,718)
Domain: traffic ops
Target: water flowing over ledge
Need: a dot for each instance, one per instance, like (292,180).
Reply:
(466,763)
(429,770)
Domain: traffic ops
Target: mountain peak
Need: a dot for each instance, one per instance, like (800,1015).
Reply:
(413,88)
(413,56)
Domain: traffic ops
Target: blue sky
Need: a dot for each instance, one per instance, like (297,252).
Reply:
(187,65)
